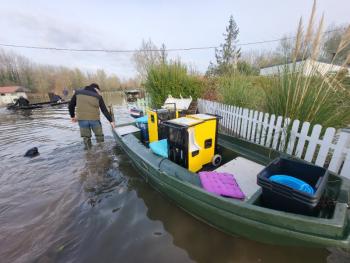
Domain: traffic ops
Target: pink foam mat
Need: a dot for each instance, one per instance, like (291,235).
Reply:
(223,184)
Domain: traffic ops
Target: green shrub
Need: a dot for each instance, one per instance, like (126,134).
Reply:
(210,89)
(239,90)
(171,79)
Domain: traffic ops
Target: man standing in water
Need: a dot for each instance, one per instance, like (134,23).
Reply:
(89,102)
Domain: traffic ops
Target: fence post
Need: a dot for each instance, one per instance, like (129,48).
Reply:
(340,152)
(325,146)
(270,130)
(302,138)
(345,171)
(278,131)
(315,134)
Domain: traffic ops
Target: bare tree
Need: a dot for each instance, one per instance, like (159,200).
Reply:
(18,70)
(148,55)
(331,44)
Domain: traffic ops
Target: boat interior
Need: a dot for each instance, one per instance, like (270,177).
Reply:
(242,159)
(245,171)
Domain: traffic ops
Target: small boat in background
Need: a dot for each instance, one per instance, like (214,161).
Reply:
(13,106)
(136,113)
(133,95)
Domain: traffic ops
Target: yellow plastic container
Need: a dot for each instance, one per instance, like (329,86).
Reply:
(192,141)
(152,125)
(155,117)
(211,123)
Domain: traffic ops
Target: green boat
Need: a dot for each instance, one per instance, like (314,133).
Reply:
(248,218)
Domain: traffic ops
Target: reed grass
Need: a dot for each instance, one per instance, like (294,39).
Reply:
(302,90)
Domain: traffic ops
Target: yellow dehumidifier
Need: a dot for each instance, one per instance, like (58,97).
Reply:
(192,141)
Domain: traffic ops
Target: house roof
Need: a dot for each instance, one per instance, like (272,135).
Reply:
(13,89)
(289,61)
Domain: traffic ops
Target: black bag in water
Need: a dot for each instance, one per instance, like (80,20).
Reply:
(32,152)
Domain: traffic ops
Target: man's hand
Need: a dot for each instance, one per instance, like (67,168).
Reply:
(74,119)
(113,124)
(98,92)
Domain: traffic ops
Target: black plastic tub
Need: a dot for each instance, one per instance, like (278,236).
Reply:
(284,198)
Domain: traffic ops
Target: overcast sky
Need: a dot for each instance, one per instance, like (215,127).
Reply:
(123,25)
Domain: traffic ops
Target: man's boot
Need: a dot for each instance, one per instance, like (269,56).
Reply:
(98,133)
(85,133)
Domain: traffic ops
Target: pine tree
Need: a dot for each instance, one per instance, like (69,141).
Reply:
(228,53)
(163,54)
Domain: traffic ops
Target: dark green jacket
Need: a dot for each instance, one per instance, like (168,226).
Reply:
(88,104)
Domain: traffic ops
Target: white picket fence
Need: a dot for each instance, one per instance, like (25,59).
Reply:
(143,104)
(329,149)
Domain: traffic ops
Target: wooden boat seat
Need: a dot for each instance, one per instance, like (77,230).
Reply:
(245,173)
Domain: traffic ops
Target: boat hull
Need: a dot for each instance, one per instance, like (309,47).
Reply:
(232,217)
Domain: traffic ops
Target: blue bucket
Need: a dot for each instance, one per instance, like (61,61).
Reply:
(292,182)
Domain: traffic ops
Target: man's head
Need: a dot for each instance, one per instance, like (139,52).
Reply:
(94,86)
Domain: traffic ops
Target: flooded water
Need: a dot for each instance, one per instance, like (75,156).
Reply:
(73,205)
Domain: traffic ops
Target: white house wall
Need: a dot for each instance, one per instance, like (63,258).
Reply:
(308,67)
(10,97)
(274,70)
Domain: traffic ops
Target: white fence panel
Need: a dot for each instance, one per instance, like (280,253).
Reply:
(338,155)
(325,146)
(284,135)
(254,123)
(143,104)
(346,167)
(259,127)
(316,131)
(265,129)
(278,131)
(302,139)
(275,132)
(249,124)
(270,128)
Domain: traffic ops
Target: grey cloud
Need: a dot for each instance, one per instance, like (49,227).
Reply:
(55,32)
(34,28)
